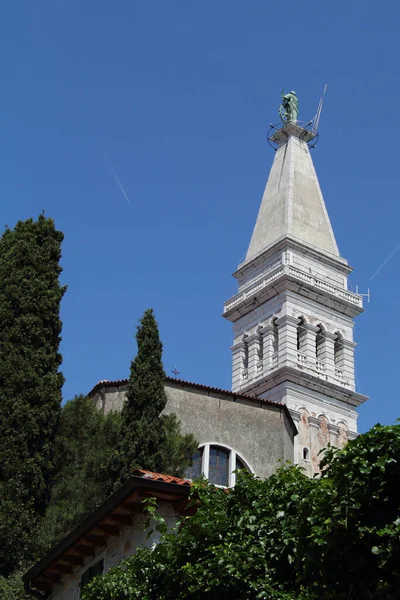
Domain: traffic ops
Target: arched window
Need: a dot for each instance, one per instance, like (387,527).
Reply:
(301,342)
(306,454)
(218,468)
(260,345)
(275,341)
(245,351)
(319,343)
(301,335)
(195,469)
(217,463)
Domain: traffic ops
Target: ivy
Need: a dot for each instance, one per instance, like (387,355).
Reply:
(332,537)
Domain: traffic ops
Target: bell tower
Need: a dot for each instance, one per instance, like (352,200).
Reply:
(293,313)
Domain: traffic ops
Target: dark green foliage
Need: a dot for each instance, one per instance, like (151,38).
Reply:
(356,516)
(30,384)
(288,537)
(149,439)
(12,588)
(86,441)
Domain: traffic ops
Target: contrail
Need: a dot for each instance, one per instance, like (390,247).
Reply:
(117,179)
(385,262)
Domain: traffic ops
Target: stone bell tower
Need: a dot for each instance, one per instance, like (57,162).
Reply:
(293,313)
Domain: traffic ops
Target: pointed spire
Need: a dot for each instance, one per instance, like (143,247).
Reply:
(292,205)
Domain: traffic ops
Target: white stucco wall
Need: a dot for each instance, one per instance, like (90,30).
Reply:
(118,548)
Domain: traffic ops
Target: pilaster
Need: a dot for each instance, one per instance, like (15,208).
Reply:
(296,416)
(327,356)
(333,434)
(254,345)
(237,365)
(267,333)
(348,362)
(309,343)
(287,340)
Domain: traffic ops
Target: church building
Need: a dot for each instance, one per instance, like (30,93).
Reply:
(293,384)
(293,347)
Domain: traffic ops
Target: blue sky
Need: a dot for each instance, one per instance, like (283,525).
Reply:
(176,97)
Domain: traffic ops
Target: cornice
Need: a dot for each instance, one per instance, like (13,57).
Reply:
(291,242)
(306,380)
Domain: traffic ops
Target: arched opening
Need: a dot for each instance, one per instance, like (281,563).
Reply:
(338,350)
(245,356)
(195,470)
(245,351)
(275,341)
(260,344)
(301,335)
(217,463)
(320,341)
(306,454)
(218,470)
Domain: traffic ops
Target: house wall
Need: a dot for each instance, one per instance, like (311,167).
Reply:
(118,548)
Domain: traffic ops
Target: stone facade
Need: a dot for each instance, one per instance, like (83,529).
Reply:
(260,433)
(293,313)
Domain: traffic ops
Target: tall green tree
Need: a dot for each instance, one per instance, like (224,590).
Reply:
(150,439)
(30,381)
(85,443)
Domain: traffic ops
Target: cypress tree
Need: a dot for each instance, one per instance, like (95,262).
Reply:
(150,439)
(30,381)
(86,440)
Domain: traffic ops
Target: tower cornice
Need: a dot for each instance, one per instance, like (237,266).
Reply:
(289,242)
(287,277)
(294,375)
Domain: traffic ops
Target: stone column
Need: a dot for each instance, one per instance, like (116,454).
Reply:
(287,340)
(333,434)
(328,353)
(237,365)
(309,344)
(268,346)
(348,362)
(296,449)
(315,446)
(254,350)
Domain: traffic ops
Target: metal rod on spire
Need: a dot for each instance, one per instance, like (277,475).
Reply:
(319,109)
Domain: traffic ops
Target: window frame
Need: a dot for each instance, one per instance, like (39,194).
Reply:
(96,561)
(205,461)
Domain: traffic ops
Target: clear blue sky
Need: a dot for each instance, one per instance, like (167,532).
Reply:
(178,95)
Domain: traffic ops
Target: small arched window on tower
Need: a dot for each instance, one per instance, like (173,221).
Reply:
(320,341)
(338,354)
(275,341)
(260,344)
(301,341)
(260,350)
(306,454)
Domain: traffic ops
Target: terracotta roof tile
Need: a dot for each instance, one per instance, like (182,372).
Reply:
(200,386)
(160,477)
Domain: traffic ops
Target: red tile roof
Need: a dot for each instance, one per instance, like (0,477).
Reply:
(160,477)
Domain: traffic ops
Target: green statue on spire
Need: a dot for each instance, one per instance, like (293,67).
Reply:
(289,109)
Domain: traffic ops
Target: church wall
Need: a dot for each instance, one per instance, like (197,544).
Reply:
(262,434)
(118,548)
